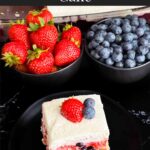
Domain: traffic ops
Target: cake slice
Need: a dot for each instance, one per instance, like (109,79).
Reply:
(74,123)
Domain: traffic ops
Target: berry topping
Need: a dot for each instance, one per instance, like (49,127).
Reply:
(89,102)
(90,148)
(89,112)
(80,145)
(72,110)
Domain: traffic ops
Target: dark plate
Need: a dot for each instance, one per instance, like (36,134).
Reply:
(124,134)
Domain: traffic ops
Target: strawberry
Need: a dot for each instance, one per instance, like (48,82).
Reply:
(72,33)
(18,32)
(40,61)
(72,109)
(14,53)
(54,69)
(45,37)
(21,68)
(65,53)
(34,15)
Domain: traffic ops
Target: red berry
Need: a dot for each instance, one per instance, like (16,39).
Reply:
(14,53)
(73,34)
(66,52)
(45,37)
(18,32)
(33,16)
(72,109)
(40,61)
(54,69)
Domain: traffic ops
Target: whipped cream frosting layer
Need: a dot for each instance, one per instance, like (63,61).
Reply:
(61,131)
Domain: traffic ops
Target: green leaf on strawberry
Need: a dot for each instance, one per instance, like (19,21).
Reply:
(35,53)
(33,27)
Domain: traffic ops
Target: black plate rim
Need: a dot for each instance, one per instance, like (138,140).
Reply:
(75,92)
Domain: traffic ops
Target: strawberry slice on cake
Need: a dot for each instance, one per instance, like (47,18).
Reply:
(75,123)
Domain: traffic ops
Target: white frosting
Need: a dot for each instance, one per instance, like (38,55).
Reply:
(64,132)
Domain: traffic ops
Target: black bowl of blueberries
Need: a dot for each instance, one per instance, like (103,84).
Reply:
(119,48)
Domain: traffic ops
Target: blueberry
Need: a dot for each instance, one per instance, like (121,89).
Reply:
(143,50)
(80,144)
(134,17)
(147,35)
(135,22)
(140,58)
(114,45)
(112,26)
(117,21)
(126,21)
(127,46)
(144,41)
(128,37)
(104,53)
(92,53)
(119,64)
(147,28)
(89,102)
(148,56)
(130,63)
(111,50)
(118,49)
(102,26)
(140,31)
(108,22)
(128,17)
(135,44)
(133,29)
(131,54)
(101,32)
(94,44)
(94,27)
(90,45)
(96,56)
(99,48)
(126,28)
(89,112)
(110,37)
(142,21)
(109,61)
(106,44)
(99,38)
(117,30)
(135,37)
(117,57)
(90,35)
(118,38)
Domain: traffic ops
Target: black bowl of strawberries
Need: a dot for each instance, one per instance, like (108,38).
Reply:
(39,53)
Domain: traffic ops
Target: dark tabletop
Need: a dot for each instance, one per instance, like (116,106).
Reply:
(16,96)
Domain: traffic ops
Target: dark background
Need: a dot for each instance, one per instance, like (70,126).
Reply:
(71,2)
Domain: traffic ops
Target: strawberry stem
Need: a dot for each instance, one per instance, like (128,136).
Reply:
(10,59)
(35,53)
(42,22)
(67,27)
(51,22)
(33,27)
(17,22)
(35,12)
